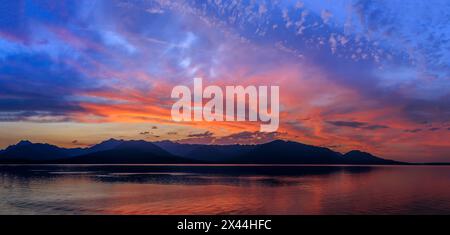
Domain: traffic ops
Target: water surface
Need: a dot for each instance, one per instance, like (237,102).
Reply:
(224,189)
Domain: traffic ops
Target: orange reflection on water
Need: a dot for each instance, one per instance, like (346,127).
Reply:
(323,190)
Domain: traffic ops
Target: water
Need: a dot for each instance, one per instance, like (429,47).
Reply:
(225,189)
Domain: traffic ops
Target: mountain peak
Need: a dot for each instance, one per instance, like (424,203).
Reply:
(357,156)
(112,140)
(24,142)
(107,144)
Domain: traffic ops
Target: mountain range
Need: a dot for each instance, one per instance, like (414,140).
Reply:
(115,151)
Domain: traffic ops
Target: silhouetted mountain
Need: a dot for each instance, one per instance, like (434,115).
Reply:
(359,157)
(105,145)
(287,152)
(207,153)
(114,151)
(175,148)
(275,152)
(25,151)
(18,145)
(220,153)
(21,143)
(127,152)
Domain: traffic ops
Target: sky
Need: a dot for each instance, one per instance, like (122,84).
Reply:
(367,75)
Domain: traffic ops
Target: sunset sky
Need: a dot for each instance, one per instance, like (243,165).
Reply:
(368,75)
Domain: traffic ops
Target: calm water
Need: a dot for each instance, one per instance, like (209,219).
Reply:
(151,189)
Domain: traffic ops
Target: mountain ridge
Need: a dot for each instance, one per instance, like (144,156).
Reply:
(113,151)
